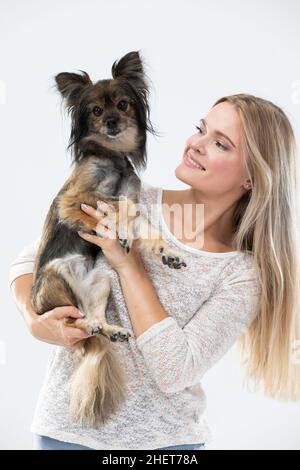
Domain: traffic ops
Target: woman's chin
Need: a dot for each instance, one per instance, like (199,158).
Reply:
(177,173)
(181,174)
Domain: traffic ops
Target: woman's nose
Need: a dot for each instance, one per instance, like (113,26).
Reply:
(199,146)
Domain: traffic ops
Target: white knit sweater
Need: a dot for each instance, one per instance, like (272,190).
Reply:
(210,304)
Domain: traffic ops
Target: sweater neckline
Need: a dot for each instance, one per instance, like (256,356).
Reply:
(177,242)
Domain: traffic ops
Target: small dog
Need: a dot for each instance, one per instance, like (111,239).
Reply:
(110,120)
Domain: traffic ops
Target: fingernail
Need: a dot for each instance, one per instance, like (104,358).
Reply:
(82,314)
(84,206)
(80,232)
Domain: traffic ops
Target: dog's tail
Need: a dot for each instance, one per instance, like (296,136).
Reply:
(98,384)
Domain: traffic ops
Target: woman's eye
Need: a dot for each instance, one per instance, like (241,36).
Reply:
(97,111)
(123,105)
(199,129)
(218,144)
(221,146)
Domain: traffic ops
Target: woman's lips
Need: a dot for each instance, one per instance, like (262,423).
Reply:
(192,162)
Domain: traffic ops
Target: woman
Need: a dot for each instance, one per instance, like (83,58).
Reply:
(241,283)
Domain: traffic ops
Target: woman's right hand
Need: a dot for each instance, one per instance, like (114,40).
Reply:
(50,327)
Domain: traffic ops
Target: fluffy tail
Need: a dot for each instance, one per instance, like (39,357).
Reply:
(98,383)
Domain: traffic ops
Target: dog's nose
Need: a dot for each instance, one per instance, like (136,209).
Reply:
(111,122)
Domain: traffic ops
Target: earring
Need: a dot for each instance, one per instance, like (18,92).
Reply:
(247,186)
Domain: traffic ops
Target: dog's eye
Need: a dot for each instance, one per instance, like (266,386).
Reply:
(97,111)
(123,105)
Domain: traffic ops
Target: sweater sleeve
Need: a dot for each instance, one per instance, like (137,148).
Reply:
(178,357)
(24,262)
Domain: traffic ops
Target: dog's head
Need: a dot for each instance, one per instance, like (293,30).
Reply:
(110,114)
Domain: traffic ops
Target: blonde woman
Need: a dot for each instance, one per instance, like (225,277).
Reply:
(241,283)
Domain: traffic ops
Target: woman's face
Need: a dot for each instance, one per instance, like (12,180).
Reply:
(220,155)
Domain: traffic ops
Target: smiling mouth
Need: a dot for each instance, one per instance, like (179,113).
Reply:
(192,162)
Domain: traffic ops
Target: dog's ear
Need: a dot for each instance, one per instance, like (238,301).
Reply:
(70,85)
(129,67)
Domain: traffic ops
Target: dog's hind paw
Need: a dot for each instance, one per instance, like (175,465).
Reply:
(119,337)
(118,333)
(93,330)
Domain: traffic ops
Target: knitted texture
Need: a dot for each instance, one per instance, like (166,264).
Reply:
(210,304)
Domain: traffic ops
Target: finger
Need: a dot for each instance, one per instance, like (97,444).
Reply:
(105,232)
(107,222)
(75,333)
(106,208)
(90,238)
(68,311)
(90,211)
(79,339)
(72,335)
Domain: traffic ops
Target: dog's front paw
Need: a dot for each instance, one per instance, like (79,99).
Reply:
(161,250)
(171,259)
(173,262)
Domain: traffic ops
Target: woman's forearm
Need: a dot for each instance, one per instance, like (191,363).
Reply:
(143,305)
(140,296)
(48,327)
(21,292)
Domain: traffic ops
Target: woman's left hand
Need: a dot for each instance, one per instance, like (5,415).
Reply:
(107,237)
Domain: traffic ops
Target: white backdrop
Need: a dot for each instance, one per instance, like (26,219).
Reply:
(196,51)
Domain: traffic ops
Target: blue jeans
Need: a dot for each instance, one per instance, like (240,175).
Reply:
(47,443)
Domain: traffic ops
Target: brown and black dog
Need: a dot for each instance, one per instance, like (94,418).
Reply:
(110,120)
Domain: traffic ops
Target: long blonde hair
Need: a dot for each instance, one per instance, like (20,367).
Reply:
(266,222)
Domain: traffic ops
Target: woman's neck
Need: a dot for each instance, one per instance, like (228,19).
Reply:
(211,220)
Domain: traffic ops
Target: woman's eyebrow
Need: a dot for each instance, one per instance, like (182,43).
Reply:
(219,133)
